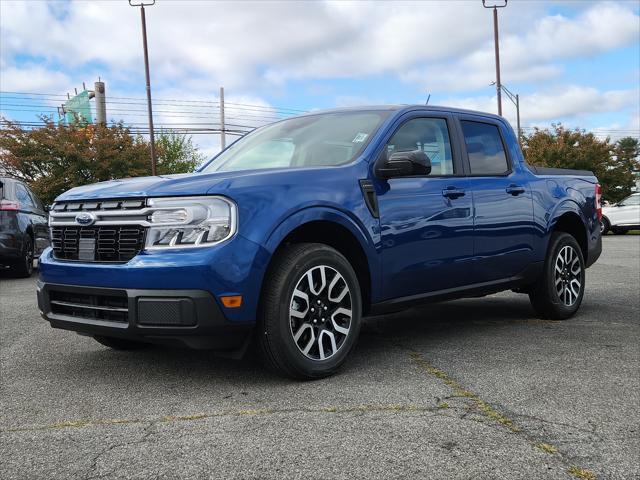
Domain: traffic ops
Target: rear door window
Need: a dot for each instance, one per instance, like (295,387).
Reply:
(22,195)
(36,200)
(485,148)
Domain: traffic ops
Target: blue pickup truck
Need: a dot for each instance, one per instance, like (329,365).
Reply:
(295,232)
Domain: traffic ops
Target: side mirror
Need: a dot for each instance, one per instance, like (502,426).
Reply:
(404,164)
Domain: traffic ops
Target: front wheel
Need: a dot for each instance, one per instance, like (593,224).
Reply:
(605,226)
(558,293)
(310,312)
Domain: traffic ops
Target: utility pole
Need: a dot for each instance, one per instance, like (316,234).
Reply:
(223,140)
(515,99)
(152,142)
(518,117)
(101,103)
(497,48)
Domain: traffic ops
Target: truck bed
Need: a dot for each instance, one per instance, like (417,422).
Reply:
(559,171)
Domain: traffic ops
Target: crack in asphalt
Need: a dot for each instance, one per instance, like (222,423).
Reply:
(397,408)
(477,405)
(90,474)
(472,408)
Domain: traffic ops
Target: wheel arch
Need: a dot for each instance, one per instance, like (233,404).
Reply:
(338,231)
(572,222)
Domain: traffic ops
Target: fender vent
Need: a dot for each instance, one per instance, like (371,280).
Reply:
(370,197)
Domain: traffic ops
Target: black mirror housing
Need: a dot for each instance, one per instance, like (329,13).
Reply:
(404,164)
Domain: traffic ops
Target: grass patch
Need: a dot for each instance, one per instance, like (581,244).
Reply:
(481,406)
(582,473)
(547,448)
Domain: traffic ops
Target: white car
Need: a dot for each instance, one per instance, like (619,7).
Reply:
(623,216)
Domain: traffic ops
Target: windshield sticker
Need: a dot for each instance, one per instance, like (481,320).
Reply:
(360,137)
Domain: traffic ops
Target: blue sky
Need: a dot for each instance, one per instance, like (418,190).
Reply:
(575,62)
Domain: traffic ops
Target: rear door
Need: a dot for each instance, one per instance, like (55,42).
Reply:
(503,208)
(40,224)
(426,222)
(32,213)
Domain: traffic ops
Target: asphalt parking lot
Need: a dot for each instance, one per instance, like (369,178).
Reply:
(470,389)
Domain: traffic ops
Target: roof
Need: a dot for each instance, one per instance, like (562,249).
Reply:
(404,108)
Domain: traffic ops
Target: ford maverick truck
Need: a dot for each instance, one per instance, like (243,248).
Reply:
(294,233)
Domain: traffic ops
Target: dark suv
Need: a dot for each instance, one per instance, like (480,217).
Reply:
(24,233)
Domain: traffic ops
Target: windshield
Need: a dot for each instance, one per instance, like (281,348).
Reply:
(630,200)
(321,140)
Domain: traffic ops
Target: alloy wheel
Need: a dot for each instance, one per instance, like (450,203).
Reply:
(320,312)
(568,275)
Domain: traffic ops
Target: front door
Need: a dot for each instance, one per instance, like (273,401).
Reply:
(426,222)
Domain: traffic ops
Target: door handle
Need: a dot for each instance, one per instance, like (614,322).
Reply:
(452,192)
(514,189)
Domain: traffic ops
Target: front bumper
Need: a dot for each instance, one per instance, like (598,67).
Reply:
(169,297)
(233,268)
(190,318)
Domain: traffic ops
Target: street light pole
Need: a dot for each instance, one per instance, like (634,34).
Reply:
(515,99)
(496,43)
(152,142)
(518,116)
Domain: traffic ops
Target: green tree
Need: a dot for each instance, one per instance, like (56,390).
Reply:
(627,151)
(55,158)
(176,153)
(577,149)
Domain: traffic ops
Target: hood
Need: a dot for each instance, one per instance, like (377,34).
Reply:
(158,186)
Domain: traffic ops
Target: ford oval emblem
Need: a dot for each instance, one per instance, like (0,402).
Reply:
(85,219)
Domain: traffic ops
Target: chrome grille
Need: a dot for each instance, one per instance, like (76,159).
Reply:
(116,234)
(105,212)
(97,244)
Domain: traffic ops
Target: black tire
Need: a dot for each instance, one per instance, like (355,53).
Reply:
(619,231)
(605,226)
(548,298)
(23,268)
(120,343)
(276,339)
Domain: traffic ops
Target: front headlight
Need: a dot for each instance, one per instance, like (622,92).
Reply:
(185,222)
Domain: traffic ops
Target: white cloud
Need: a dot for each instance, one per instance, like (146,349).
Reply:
(551,106)
(243,44)
(33,78)
(533,56)
(195,46)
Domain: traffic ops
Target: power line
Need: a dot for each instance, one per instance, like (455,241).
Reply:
(58,97)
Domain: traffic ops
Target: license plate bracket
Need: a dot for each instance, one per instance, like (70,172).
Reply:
(87,249)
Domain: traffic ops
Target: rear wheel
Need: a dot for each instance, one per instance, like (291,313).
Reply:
(119,343)
(23,268)
(605,226)
(310,312)
(558,292)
